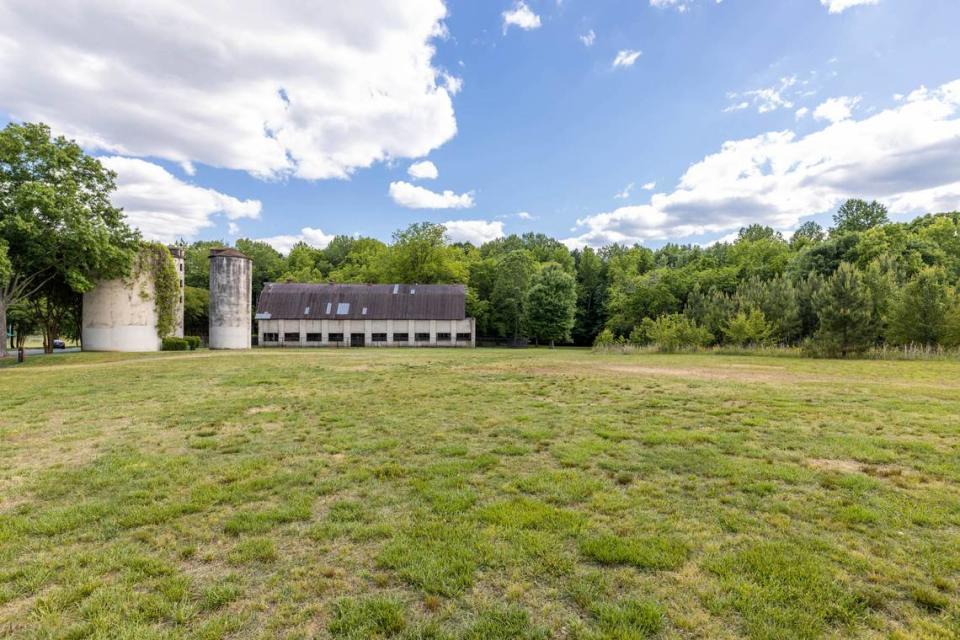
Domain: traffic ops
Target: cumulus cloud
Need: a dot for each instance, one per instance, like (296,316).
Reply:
(414,197)
(836,109)
(288,88)
(313,237)
(526,215)
(520,16)
(907,157)
(475,232)
(626,58)
(649,186)
(166,208)
(424,170)
(838,6)
(588,38)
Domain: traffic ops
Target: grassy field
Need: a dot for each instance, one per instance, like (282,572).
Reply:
(478,495)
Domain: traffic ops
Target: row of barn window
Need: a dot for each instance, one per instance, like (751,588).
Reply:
(374,337)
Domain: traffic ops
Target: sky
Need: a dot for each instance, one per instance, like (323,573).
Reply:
(593,121)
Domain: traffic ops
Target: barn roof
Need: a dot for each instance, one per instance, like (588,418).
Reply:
(362,302)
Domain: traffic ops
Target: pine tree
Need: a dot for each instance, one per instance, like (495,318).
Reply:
(845,310)
(920,311)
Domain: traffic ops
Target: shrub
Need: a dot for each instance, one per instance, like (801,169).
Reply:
(748,329)
(193,342)
(671,332)
(605,339)
(174,344)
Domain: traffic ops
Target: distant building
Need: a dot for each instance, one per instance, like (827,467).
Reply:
(359,315)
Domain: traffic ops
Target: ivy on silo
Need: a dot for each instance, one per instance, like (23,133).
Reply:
(155,259)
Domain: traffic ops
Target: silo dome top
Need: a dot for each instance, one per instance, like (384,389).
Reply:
(227,252)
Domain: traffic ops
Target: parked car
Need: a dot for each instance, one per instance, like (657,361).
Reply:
(59,344)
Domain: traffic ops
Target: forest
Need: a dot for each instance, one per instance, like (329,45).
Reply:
(863,283)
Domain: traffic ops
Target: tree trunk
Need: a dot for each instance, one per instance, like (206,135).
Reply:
(551,344)
(3,325)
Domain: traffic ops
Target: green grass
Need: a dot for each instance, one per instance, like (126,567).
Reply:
(455,495)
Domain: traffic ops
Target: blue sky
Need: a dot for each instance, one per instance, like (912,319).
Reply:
(518,105)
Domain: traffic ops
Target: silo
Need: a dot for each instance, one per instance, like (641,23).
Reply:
(231,299)
(178,261)
(121,314)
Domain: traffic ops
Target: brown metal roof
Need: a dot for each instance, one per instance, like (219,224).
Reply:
(227,252)
(362,302)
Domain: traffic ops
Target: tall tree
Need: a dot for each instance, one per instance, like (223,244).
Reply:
(845,310)
(420,254)
(591,293)
(809,233)
(509,298)
(859,215)
(56,217)
(553,304)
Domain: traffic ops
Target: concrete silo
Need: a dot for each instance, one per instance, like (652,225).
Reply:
(121,314)
(231,299)
(178,260)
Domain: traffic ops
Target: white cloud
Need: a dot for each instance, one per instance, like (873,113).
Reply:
(649,186)
(414,197)
(802,113)
(680,5)
(766,99)
(907,157)
(233,229)
(626,58)
(313,237)
(623,195)
(166,208)
(836,109)
(424,170)
(838,6)
(473,231)
(526,215)
(520,16)
(313,90)
(588,38)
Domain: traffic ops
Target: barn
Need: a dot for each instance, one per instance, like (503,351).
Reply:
(364,315)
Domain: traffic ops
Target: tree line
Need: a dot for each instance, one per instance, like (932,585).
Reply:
(864,282)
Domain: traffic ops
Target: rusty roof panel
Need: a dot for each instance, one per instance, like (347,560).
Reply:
(288,301)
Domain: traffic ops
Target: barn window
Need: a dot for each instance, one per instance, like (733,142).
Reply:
(422,337)
(314,337)
(443,337)
(464,337)
(343,308)
(334,337)
(401,337)
(378,337)
(306,311)
(271,337)
(329,307)
(291,337)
